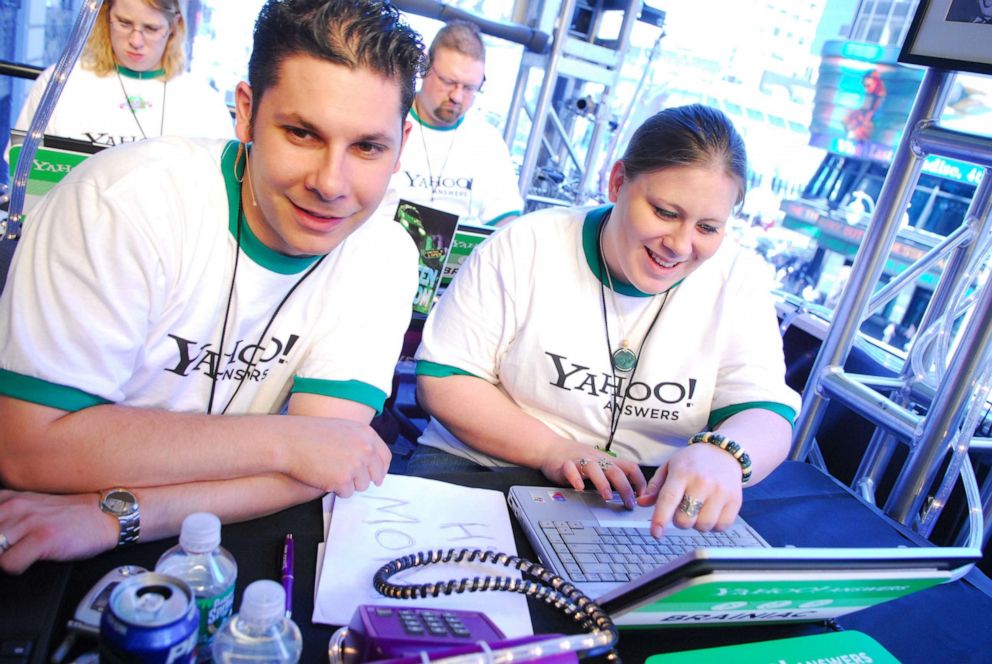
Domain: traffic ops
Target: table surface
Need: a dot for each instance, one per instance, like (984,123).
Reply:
(797,505)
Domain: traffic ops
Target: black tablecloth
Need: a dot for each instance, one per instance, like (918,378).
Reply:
(797,505)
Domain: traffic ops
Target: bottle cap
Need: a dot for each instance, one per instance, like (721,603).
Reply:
(200,533)
(263,603)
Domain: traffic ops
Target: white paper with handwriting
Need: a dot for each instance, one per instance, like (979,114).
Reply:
(406,515)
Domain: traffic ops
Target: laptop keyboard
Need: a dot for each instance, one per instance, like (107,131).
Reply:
(589,552)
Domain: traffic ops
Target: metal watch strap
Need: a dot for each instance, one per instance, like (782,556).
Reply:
(130,530)
(123,505)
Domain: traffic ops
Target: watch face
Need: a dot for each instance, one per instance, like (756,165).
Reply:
(120,502)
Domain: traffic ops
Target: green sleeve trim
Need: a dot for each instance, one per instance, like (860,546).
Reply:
(53,395)
(496,220)
(720,414)
(425,368)
(352,390)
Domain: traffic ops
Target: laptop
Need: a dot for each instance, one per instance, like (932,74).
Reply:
(55,157)
(692,578)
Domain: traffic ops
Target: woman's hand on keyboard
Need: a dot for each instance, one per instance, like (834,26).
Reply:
(573,463)
(699,472)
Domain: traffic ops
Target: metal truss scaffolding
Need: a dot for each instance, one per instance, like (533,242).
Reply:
(935,404)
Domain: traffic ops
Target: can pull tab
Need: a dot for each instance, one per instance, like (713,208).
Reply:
(150,600)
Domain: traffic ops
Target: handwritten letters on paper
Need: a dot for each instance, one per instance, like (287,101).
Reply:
(406,515)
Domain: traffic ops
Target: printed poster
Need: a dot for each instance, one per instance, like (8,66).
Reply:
(432,231)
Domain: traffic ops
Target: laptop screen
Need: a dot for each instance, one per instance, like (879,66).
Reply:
(55,157)
(779,584)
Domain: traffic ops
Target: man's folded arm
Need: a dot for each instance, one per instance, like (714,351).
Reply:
(51,450)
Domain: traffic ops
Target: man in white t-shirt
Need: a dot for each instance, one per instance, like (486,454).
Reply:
(454,161)
(168,282)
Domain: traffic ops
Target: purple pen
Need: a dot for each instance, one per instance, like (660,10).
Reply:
(287,572)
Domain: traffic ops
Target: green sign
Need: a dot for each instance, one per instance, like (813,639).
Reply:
(467,238)
(49,167)
(735,598)
(849,647)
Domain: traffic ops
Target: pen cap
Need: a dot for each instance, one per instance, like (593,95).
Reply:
(263,603)
(200,533)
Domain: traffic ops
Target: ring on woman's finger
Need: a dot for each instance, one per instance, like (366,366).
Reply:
(690,506)
(4,544)
(604,463)
(583,462)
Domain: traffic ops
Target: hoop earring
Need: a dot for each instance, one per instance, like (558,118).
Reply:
(237,160)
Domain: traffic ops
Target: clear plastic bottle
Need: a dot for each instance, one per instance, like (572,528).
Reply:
(260,632)
(208,568)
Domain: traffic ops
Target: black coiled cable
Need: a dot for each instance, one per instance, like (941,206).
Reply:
(548,587)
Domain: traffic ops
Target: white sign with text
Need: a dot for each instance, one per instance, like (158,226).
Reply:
(407,515)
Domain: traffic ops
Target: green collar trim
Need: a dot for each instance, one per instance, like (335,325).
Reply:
(131,73)
(590,247)
(254,248)
(413,112)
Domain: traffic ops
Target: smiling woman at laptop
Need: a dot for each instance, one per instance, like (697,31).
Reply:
(592,341)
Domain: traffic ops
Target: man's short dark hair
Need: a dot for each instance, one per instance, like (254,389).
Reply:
(367,34)
(461,36)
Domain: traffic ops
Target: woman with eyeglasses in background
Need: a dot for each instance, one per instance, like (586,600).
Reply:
(131,83)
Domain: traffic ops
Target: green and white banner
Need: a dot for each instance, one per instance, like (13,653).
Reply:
(834,648)
(737,597)
(49,167)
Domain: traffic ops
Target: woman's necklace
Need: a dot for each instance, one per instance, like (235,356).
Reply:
(127,100)
(625,353)
(623,358)
(434,184)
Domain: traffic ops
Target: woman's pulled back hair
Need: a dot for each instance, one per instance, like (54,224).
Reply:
(98,56)
(368,34)
(693,135)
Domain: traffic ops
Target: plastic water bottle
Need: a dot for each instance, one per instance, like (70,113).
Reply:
(208,568)
(260,632)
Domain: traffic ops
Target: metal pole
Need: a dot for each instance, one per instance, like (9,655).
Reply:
(961,235)
(602,110)
(544,98)
(952,394)
(565,138)
(868,403)
(933,139)
(516,104)
(73,47)
(978,225)
(870,260)
(947,412)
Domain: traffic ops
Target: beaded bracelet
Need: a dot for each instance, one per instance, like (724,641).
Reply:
(729,445)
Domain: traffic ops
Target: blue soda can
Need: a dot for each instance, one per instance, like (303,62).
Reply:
(151,618)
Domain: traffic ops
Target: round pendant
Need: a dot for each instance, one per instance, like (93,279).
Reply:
(624,359)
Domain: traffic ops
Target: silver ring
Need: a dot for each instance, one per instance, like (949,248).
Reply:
(583,462)
(604,463)
(690,506)
(4,544)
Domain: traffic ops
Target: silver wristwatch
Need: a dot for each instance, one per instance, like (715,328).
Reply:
(123,504)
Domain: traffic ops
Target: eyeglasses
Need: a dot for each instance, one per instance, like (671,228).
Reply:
(150,33)
(454,85)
